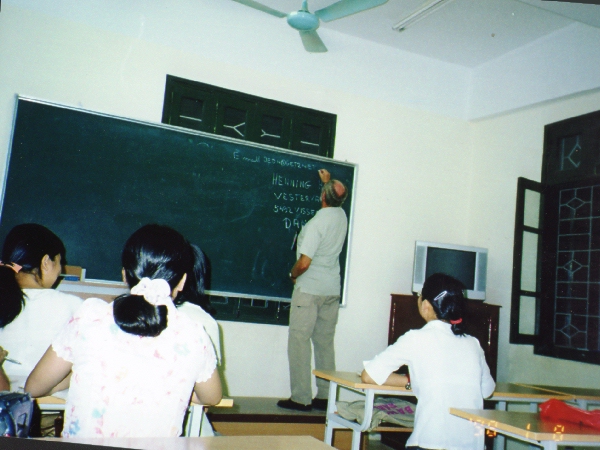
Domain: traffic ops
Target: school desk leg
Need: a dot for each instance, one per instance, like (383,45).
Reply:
(356,438)
(499,440)
(331,408)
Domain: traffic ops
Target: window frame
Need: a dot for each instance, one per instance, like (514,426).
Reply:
(516,337)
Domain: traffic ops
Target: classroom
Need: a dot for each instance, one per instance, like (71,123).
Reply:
(436,144)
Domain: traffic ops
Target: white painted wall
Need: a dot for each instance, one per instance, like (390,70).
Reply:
(507,147)
(421,175)
(559,65)
(401,155)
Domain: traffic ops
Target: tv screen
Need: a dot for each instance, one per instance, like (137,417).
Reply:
(456,263)
(465,263)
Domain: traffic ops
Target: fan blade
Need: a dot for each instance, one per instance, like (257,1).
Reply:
(344,8)
(312,42)
(261,7)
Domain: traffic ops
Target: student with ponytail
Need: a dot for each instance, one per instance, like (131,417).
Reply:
(447,369)
(135,362)
(193,302)
(31,312)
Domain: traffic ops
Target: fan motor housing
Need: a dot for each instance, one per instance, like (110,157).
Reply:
(303,21)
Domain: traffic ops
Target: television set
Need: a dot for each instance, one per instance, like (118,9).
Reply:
(467,264)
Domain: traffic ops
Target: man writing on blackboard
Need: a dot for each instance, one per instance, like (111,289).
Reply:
(316,297)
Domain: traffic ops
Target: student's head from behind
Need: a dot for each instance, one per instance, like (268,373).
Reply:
(32,257)
(154,252)
(445,294)
(33,249)
(334,193)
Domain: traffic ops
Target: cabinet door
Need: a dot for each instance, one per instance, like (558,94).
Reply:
(481,318)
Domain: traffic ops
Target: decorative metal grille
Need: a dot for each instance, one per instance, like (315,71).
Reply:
(577,289)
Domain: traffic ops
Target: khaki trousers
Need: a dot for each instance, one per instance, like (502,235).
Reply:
(312,318)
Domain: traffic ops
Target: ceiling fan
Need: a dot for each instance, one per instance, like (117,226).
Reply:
(307,23)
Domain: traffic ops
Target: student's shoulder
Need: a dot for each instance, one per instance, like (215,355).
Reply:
(186,318)
(196,313)
(52,295)
(473,341)
(410,336)
(93,308)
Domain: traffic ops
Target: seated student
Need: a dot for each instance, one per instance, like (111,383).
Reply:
(32,313)
(447,369)
(135,361)
(193,302)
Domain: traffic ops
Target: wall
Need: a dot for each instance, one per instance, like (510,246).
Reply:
(420,175)
(558,65)
(403,156)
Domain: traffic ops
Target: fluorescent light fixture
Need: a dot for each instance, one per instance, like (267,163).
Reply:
(420,13)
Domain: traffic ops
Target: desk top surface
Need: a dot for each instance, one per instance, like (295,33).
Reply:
(513,391)
(503,391)
(203,443)
(576,393)
(352,379)
(51,400)
(529,425)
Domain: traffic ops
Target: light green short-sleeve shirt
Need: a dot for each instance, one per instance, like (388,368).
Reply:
(322,239)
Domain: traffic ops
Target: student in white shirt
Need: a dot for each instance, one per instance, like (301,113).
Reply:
(447,369)
(32,312)
(193,302)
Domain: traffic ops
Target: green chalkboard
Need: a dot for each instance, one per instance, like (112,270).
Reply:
(94,178)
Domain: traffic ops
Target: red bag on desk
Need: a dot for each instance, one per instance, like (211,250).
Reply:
(558,411)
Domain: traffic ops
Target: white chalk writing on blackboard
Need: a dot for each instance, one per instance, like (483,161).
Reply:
(281,180)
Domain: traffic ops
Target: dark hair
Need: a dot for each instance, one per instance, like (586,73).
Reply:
(446,295)
(193,290)
(25,245)
(335,193)
(155,252)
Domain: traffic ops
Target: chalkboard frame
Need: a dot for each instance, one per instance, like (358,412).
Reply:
(189,132)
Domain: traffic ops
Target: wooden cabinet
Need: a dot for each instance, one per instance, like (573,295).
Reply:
(481,319)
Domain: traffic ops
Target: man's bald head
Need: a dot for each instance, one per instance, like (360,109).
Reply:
(334,193)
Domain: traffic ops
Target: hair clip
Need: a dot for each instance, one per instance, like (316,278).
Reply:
(12,265)
(440,296)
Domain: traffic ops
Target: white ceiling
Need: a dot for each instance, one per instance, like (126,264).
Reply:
(469,59)
(463,32)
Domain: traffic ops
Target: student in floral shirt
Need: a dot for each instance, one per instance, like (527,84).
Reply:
(135,362)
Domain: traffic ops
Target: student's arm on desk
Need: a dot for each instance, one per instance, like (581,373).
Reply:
(49,375)
(64,384)
(395,379)
(208,392)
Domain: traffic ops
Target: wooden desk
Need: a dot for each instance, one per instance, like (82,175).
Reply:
(529,427)
(352,381)
(196,443)
(503,394)
(50,403)
(195,425)
(583,396)
(518,393)
(515,393)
